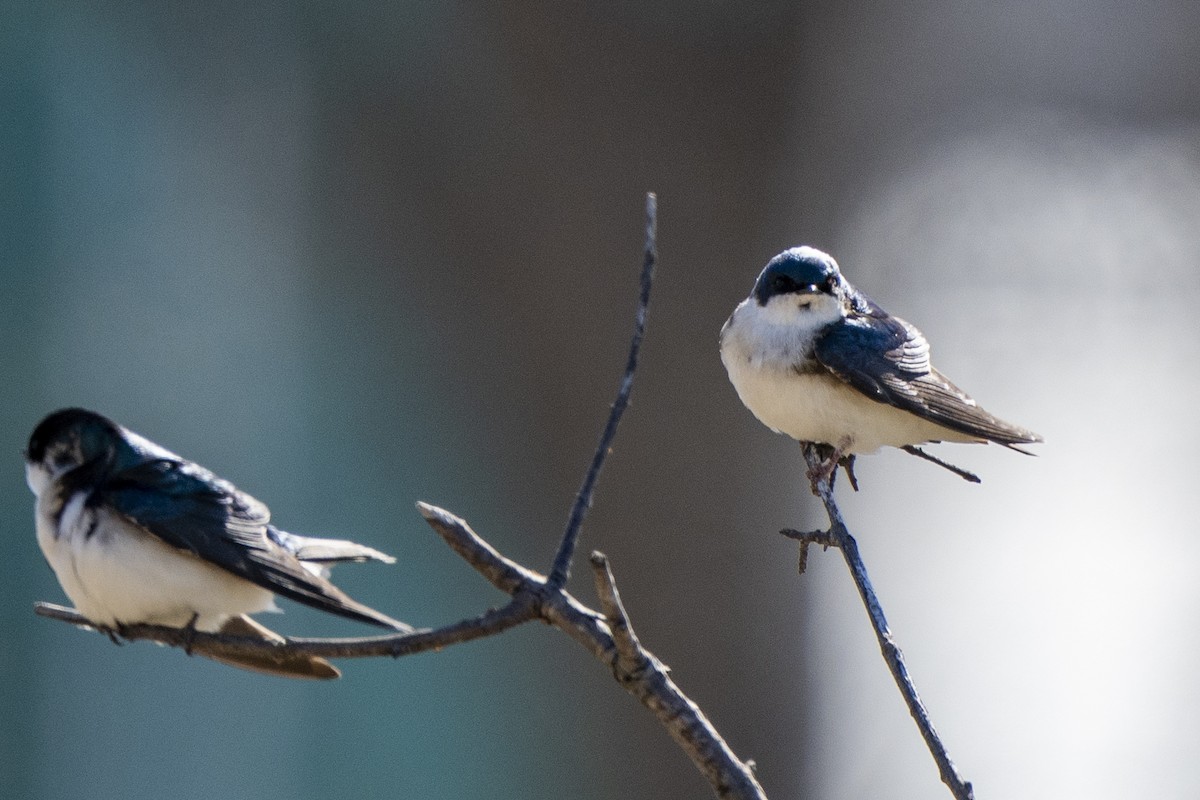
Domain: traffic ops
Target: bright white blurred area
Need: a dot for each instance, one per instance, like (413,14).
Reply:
(1049,613)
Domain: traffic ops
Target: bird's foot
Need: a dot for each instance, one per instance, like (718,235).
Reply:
(847,463)
(822,472)
(831,458)
(113,634)
(189,633)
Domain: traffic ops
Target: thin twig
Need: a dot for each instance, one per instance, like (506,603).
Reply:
(966,475)
(561,569)
(839,536)
(805,538)
(629,649)
(507,576)
(200,643)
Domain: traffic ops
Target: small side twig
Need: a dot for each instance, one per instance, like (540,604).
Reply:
(824,538)
(839,536)
(966,475)
(647,679)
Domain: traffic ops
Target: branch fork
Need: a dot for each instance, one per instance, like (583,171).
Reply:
(609,636)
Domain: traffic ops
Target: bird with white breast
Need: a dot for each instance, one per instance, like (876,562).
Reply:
(816,359)
(138,534)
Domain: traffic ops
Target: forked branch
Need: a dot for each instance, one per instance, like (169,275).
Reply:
(608,636)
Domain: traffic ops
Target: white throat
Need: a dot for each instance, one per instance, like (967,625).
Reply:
(38,478)
(779,334)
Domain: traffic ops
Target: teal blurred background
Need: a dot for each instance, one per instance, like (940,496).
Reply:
(355,255)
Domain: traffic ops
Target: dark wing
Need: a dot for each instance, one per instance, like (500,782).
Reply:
(887,359)
(192,509)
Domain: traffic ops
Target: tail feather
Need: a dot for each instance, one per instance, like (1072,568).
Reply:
(301,573)
(283,666)
(326,551)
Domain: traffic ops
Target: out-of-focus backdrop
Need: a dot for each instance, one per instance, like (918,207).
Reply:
(354,255)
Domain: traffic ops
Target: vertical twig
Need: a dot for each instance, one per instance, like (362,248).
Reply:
(839,536)
(583,500)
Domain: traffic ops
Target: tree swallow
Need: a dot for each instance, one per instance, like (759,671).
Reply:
(137,534)
(816,359)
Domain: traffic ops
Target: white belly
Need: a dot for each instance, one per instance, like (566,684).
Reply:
(120,574)
(818,407)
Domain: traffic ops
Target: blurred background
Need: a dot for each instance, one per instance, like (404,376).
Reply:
(354,255)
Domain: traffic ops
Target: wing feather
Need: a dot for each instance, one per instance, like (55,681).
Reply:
(887,359)
(190,508)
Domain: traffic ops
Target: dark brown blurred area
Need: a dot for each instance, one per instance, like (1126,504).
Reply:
(351,256)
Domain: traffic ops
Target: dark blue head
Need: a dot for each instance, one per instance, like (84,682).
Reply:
(800,270)
(71,437)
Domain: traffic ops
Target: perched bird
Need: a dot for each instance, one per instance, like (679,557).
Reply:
(816,359)
(137,534)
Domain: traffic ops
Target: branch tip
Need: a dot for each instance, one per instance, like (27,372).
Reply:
(561,568)
(966,475)
(433,513)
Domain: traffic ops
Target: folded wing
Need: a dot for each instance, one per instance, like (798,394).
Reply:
(887,359)
(191,509)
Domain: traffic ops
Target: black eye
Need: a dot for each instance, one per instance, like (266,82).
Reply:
(782,284)
(826,285)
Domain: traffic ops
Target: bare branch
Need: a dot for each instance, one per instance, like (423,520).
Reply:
(608,636)
(200,643)
(647,679)
(629,649)
(507,576)
(839,536)
(583,501)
